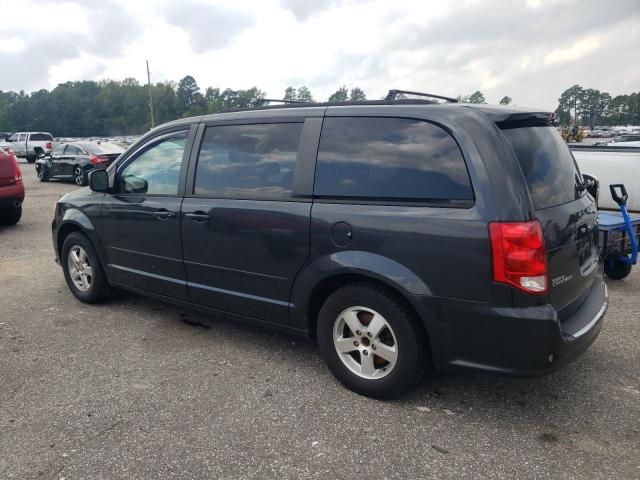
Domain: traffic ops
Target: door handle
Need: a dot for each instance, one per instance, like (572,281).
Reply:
(163,214)
(197,216)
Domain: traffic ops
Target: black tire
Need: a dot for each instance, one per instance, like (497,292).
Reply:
(11,215)
(615,269)
(99,287)
(79,177)
(43,173)
(410,339)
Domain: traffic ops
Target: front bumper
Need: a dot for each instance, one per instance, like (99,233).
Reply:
(528,341)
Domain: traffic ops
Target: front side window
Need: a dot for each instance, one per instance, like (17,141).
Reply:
(22,137)
(156,170)
(14,137)
(57,152)
(251,161)
(392,159)
(73,150)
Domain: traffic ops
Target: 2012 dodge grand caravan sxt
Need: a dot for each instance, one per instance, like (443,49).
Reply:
(399,233)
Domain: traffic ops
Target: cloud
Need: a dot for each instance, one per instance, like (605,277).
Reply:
(530,50)
(303,9)
(209,27)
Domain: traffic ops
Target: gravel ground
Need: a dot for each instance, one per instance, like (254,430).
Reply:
(135,388)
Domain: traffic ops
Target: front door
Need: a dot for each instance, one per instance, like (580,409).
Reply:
(245,236)
(141,219)
(56,158)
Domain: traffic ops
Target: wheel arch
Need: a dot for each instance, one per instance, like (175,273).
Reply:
(74,220)
(325,275)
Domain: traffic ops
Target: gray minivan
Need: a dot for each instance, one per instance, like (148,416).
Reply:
(401,234)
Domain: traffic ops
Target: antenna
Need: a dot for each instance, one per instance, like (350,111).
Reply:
(150,96)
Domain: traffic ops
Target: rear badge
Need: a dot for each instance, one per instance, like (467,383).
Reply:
(560,280)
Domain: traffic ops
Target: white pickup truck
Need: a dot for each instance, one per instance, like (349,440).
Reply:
(611,165)
(31,144)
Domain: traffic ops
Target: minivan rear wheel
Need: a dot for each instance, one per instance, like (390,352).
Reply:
(371,341)
(82,269)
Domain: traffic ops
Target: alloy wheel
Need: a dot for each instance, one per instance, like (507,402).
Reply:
(79,176)
(80,269)
(365,342)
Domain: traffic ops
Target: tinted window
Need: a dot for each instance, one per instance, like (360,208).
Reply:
(41,137)
(248,160)
(157,169)
(57,152)
(547,164)
(72,150)
(390,158)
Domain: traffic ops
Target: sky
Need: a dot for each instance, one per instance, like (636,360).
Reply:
(530,50)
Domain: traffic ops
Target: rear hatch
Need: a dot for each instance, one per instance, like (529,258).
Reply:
(7,170)
(567,214)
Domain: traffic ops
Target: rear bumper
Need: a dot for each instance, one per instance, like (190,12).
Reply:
(11,194)
(528,341)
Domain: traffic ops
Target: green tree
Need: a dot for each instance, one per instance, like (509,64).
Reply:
(357,95)
(290,94)
(506,100)
(304,95)
(187,88)
(340,95)
(476,97)
(570,100)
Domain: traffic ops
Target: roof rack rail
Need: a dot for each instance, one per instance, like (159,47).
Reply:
(392,95)
(266,101)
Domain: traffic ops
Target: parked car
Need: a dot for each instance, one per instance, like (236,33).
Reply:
(11,189)
(75,160)
(4,136)
(400,234)
(31,145)
(625,139)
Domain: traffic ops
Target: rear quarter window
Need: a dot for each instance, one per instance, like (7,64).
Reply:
(547,164)
(395,159)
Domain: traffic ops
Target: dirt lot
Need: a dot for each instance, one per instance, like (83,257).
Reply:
(138,389)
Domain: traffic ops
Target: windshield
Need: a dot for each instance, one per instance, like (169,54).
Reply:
(547,164)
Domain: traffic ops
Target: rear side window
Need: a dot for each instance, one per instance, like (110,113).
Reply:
(390,159)
(42,137)
(250,161)
(547,164)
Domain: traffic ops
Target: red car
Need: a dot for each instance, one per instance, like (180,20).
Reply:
(11,189)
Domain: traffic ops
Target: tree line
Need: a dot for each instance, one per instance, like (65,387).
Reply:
(111,107)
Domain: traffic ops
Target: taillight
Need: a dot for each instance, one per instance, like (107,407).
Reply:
(49,146)
(96,160)
(519,255)
(17,174)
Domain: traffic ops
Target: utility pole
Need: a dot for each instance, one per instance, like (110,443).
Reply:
(153,123)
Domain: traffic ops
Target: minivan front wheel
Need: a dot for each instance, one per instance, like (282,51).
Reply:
(82,269)
(371,341)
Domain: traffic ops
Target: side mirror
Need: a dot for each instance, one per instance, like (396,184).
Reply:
(592,185)
(133,184)
(99,180)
